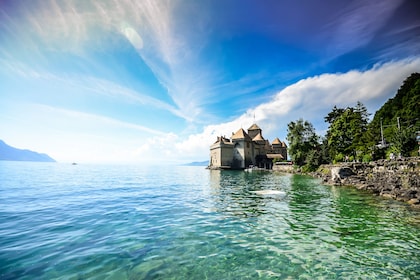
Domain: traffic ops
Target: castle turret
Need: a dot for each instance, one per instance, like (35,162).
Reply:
(221,153)
(243,149)
(254,130)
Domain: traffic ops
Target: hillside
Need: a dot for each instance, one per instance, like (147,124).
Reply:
(10,153)
(403,110)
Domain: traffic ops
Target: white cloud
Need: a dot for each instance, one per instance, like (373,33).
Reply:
(311,99)
(77,136)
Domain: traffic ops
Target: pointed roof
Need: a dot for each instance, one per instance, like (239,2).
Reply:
(283,144)
(277,141)
(254,127)
(241,134)
(258,137)
(275,156)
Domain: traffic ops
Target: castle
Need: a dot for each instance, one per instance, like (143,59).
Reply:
(244,149)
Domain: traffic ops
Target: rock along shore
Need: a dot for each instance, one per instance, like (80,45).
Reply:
(396,179)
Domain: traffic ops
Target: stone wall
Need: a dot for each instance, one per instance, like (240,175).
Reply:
(397,179)
(288,168)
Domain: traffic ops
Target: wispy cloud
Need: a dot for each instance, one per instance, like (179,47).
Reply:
(358,24)
(91,84)
(150,27)
(91,119)
(119,92)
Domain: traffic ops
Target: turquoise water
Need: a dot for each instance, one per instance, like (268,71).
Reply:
(59,221)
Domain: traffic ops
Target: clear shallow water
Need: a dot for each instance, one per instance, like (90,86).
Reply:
(133,222)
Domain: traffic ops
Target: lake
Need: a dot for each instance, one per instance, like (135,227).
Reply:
(63,221)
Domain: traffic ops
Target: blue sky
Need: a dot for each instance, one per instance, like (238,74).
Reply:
(145,81)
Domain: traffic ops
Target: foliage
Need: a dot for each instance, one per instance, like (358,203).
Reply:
(350,135)
(302,138)
(401,111)
(367,158)
(313,161)
(346,133)
(324,152)
(403,141)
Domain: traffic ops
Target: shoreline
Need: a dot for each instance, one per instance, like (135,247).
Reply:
(394,179)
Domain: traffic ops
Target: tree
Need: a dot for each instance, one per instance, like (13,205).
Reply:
(302,139)
(334,114)
(359,127)
(404,141)
(347,131)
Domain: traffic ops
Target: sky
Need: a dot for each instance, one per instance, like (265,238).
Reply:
(119,81)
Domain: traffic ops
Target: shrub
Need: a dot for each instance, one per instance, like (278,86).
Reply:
(367,158)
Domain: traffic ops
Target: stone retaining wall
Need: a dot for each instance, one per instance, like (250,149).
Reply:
(283,168)
(397,179)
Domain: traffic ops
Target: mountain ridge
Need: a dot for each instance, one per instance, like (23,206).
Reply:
(8,152)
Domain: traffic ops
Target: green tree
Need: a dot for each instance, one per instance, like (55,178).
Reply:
(334,114)
(347,132)
(302,139)
(359,127)
(404,141)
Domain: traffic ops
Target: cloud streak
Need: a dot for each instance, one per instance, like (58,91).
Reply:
(358,24)
(90,84)
(150,27)
(92,120)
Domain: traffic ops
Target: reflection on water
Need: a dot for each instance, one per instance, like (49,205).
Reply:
(114,222)
(320,227)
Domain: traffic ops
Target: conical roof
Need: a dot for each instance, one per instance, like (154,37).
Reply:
(258,137)
(276,141)
(254,127)
(241,134)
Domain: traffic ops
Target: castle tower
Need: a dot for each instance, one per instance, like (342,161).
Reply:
(254,130)
(280,148)
(243,150)
(221,153)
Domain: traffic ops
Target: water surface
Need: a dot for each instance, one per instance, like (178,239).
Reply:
(59,221)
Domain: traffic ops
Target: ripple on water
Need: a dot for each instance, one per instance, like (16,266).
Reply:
(127,222)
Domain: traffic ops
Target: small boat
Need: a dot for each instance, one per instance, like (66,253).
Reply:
(252,168)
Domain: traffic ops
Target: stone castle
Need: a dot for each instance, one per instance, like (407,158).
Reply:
(244,149)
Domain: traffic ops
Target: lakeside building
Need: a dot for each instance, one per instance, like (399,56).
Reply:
(245,149)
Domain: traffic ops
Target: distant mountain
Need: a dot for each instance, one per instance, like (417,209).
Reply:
(10,153)
(198,163)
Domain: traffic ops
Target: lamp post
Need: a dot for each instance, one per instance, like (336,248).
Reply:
(382,135)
